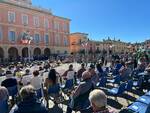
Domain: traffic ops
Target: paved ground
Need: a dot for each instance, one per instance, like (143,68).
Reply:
(118,103)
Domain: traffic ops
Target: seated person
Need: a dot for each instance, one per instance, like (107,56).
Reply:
(3,93)
(2,71)
(52,78)
(99,68)
(147,69)
(117,67)
(69,74)
(80,71)
(4,96)
(125,71)
(10,81)
(94,76)
(29,102)
(36,81)
(141,66)
(98,100)
(26,79)
(84,87)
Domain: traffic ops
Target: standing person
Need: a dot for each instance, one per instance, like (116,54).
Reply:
(69,74)
(80,71)
(103,60)
(26,79)
(36,81)
(29,102)
(52,78)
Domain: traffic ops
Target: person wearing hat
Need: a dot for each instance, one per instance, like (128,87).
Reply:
(10,81)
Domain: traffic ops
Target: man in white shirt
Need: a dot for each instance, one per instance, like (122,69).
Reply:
(26,79)
(36,81)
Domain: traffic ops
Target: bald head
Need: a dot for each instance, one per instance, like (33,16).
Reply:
(86,75)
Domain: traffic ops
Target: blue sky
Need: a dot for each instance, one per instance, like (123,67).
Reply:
(128,20)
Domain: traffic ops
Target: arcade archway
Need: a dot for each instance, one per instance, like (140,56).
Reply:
(37,52)
(13,53)
(47,52)
(25,52)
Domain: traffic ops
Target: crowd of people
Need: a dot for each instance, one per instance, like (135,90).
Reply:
(28,85)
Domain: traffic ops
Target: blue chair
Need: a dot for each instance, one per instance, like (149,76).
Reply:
(139,107)
(13,91)
(39,93)
(55,89)
(144,99)
(102,82)
(148,93)
(68,85)
(116,80)
(54,93)
(3,106)
(129,85)
(118,90)
(138,83)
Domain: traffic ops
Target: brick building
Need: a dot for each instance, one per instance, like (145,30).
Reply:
(50,33)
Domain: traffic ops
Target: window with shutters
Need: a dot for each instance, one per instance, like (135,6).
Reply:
(11,16)
(12,36)
(25,19)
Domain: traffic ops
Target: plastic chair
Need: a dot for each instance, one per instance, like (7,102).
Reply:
(117,91)
(129,85)
(39,93)
(144,99)
(102,82)
(55,89)
(138,83)
(138,107)
(3,106)
(148,93)
(68,85)
(116,80)
(54,93)
(12,90)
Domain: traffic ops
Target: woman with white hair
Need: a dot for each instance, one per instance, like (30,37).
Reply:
(3,99)
(29,102)
(98,102)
